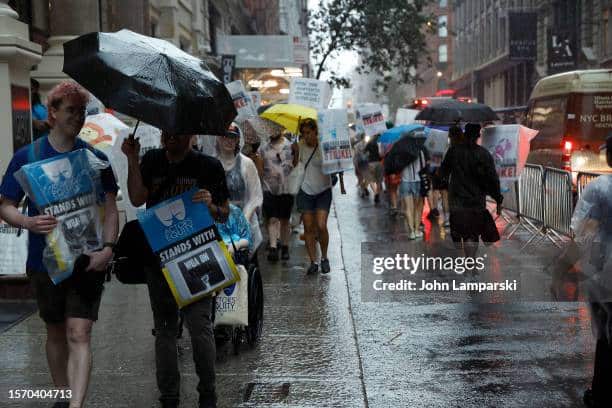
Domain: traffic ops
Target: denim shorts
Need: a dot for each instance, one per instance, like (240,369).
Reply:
(312,203)
(410,188)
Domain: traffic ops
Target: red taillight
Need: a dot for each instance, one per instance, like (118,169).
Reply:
(566,161)
(424,102)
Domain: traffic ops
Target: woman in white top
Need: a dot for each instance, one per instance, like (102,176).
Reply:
(242,179)
(412,196)
(315,196)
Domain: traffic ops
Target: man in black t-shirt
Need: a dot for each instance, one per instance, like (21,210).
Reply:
(162,174)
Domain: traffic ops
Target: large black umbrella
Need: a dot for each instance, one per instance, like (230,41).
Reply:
(151,80)
(404,151)
(452,110)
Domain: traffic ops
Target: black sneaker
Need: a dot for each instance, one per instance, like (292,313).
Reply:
(312,269)
(325,265)
(273,255)
(284,252)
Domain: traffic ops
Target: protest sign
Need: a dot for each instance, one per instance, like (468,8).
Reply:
(255,98)
(334,140)
(310,92)
(194,261)
(69,188)
(437,145)
(372,119)
(509,146)
(149,138)
(102,131)
(242,100)
(405,116)
(13,250)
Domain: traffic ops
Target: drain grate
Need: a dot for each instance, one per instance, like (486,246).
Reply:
(266,393)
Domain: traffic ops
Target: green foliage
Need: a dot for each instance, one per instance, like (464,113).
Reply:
(389,35)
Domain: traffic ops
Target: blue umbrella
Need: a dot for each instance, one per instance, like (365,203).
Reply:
(394,134)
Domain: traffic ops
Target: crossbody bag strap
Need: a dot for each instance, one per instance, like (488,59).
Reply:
(310,158)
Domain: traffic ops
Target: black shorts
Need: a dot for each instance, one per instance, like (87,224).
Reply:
(58,302)
(277,206)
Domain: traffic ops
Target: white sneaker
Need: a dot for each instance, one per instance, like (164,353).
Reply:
(419,234)
(412,236)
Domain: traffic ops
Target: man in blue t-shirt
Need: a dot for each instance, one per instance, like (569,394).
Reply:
(67,311)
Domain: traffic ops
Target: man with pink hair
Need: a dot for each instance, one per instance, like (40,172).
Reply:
(68,312)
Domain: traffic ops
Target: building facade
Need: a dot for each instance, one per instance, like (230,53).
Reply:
(437,77)
(502,47)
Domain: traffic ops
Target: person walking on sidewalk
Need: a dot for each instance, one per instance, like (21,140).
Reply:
(279,157)
(242,180)
(472,177)
(592,225)
(374,175)
(412,190)
(162,174)
(314,197)
(67,311)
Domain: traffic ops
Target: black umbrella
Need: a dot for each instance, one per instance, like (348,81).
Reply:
(452,110)
(404,151)
(151,80)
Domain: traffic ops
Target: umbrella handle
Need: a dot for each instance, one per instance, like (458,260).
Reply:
(135,129)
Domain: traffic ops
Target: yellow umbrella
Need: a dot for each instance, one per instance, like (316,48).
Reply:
(288,115)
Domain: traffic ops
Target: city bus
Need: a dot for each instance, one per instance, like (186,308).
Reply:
(573,112)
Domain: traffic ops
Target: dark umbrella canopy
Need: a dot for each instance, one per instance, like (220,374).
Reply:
(404,151)
(452,110)
(151,80)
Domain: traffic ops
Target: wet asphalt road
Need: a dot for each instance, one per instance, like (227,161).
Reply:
(324,346)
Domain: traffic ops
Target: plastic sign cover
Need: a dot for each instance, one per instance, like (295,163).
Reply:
(69,188)
(335,141)
(194,261)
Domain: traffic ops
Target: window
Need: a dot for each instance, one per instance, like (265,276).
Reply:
(442,26)
(443,3)
(443,53)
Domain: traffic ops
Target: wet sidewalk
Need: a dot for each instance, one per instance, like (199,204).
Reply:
(323,345)
(307,356)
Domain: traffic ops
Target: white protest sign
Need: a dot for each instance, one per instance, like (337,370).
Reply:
(437,145)
(405,116)
(13,250)
(149,138)
(334,140)
(242,100)
(509,146)
(310,92)
(372,119)
(255,98)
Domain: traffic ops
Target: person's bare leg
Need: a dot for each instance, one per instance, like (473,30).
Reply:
(418,211)
(409,211)
(310,235)
(323,234)
(285,231)
(445,208)
(78,333)
(393,196)
(273,231)
(57,354)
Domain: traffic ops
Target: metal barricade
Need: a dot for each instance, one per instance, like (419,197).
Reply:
(558,204)
(583,179)
(530,211)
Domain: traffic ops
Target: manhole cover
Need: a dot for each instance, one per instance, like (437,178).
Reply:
(266,392)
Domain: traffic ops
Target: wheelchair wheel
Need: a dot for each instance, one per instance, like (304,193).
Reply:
(256,305)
